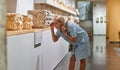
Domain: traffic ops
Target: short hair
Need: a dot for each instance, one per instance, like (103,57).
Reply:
(59,18)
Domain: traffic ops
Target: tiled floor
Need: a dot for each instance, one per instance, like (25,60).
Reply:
(113,60)
(103,56)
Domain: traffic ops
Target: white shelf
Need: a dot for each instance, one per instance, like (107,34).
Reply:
(54,4)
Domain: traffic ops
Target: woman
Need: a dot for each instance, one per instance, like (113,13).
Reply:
(77,38)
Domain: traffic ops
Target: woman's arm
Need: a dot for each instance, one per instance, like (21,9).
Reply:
(72,39)
(54,37)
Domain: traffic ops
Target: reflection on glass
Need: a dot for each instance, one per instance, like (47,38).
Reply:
(99,50)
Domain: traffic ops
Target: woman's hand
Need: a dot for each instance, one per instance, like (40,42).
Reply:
(64,30)
(54,37)
(52,26)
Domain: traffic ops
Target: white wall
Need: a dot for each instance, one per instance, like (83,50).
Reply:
(11,6)
(70,2)
(19,6)
(24,5)
(98,11)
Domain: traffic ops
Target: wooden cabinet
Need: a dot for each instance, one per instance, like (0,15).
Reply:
(23,55)
(52,52)
(20,52)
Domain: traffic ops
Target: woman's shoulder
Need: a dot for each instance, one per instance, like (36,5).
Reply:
(71,23)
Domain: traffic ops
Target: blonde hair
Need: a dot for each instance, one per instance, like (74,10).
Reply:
(70,18)
(60,18)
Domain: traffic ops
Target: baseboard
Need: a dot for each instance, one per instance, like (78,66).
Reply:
(99,34)
(114,42)
(61,62)
(90,33)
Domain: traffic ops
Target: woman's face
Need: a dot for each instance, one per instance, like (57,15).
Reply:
(58,24)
